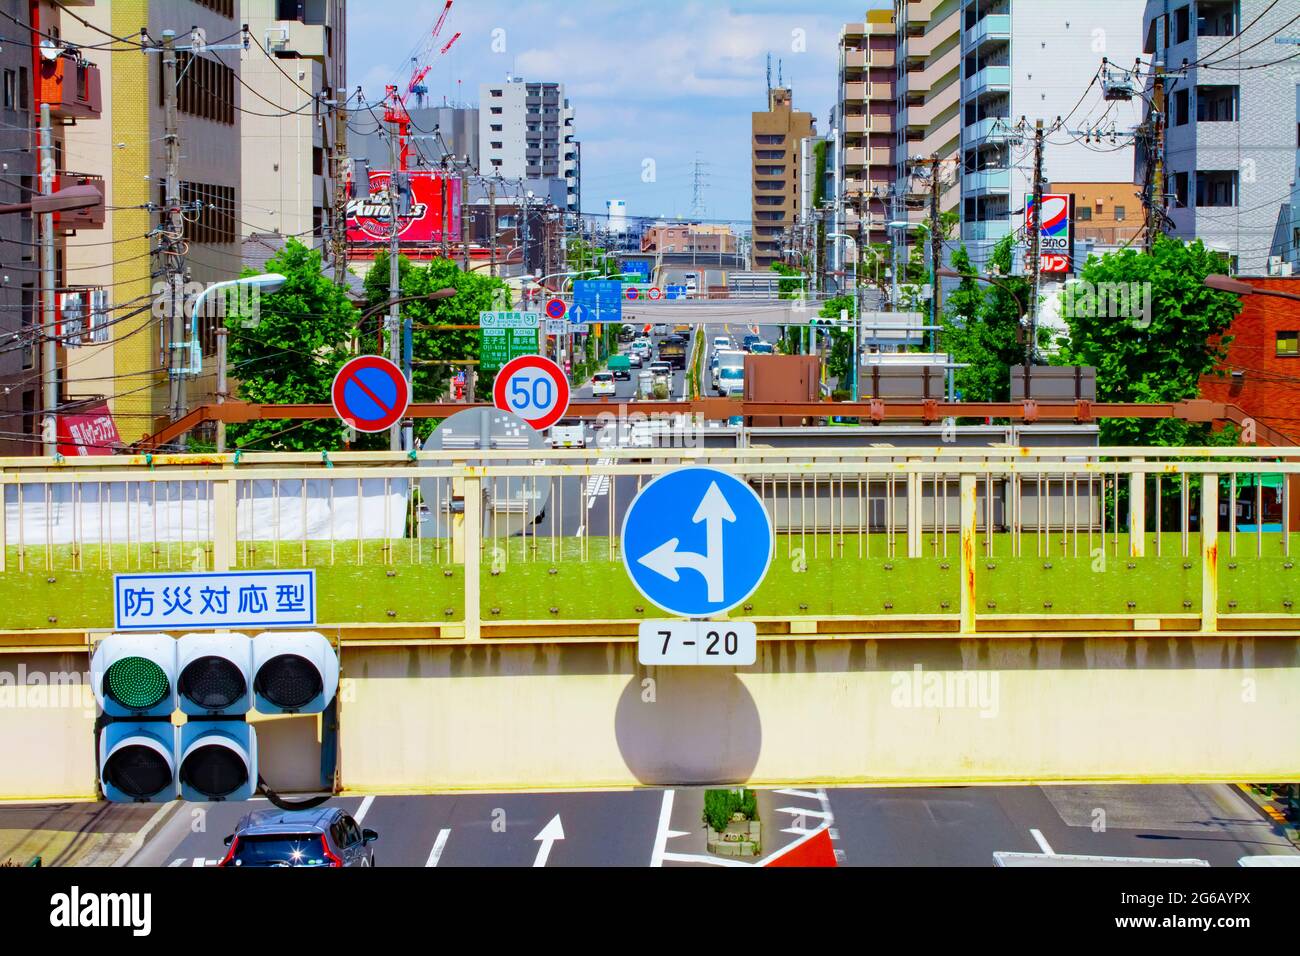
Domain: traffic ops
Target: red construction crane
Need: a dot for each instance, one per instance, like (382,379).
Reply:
(395,104)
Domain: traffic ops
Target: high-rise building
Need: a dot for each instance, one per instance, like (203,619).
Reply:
(1032,60)
(1231,141)
(526,131)
(290,164)
(927,96)
(865,126)
(129,145)
(777,142)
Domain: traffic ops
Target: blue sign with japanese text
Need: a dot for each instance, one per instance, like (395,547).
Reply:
(201,601)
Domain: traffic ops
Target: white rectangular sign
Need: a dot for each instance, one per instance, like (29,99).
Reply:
(697,643)
(196,601)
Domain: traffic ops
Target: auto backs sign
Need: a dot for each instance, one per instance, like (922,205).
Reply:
(368,216)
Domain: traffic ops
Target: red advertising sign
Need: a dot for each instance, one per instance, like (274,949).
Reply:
(368,217)
(89,432)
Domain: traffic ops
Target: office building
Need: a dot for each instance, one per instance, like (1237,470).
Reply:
(777,134)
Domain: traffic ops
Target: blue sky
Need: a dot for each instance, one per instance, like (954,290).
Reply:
(668,81)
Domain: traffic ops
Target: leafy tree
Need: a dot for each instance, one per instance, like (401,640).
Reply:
(789,288)
(291,352)
(981,326)
(436,353)
(839,361)
(1155,358)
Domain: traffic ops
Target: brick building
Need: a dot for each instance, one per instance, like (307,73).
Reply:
(1261,373)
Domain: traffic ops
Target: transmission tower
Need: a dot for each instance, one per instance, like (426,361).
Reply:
(698,179)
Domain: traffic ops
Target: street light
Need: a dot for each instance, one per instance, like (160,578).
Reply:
(269,282)
(65,200)
(854,362)
(1237,287)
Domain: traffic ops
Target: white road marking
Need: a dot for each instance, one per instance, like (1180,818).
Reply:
(363,809)
(550,833)
(662,832)
(438,846)
(177,862)
(199,861)
(801,794)
(1042,842)
(825,815)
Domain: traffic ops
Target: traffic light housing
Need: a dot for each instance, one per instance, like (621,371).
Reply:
(295,672)
(215,680)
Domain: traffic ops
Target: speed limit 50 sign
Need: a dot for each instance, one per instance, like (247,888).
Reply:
(534,388)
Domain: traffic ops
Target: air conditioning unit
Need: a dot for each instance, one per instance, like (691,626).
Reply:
(277,39)
(1274,265)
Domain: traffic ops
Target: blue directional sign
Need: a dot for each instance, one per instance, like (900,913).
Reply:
(636,267)
(597,300)
(697,541)
(675,292)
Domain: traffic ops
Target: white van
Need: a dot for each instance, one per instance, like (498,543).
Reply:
(603,386)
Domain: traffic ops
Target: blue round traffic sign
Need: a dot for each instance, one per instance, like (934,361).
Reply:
(697,541)
(556,308)
(370,393)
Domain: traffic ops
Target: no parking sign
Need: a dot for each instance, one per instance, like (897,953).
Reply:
(370,393)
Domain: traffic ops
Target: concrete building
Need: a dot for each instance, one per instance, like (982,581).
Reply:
(1031,61)
(290,163)
(777,135)
(128,145)
(1231,143)
(865,126)
(1286,237)
(526,131)
(927,97)
(691,237)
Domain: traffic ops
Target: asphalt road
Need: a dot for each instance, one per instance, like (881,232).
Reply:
(952,826)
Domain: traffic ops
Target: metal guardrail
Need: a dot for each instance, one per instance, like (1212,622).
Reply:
(945,539)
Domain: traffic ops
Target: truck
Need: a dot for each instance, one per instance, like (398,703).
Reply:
(621,367)
(729,376)
(673,351)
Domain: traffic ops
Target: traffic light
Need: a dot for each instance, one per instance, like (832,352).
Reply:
(215,680)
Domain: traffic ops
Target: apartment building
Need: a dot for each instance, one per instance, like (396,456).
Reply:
(927,97)
(451,130)
(130,365)
(865,126)
(1231,142)
(526,131)
(777,135)
(691,237)
(1032,60)
(41,71)
(290,162)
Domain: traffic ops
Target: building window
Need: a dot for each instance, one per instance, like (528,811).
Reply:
(1216,18)
(1084,213)
(496,93)
(1180,189)
(1120,213)
(317,161)
(11,90)
(496,127)
(25,85)
(29,326)
(1183,25)
(1216,187)
(1288,343)
(1216,104)
(288,10)
(765,139)
(496,111)
(205,88)
(1181,110)
(224,7)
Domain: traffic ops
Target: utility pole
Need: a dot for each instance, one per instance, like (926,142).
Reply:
(936,250)
(1035,239)
(49,343)
(893,248)
(492,222)
(446,208)
(339,228)
(1156,177)
(464,216)
(395,349)
(174,244)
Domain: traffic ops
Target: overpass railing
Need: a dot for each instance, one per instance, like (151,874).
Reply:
(473,545)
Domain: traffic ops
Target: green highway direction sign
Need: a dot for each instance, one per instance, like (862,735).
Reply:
(505,336)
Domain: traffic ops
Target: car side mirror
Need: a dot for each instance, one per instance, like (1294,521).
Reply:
(369,836)
(230,838)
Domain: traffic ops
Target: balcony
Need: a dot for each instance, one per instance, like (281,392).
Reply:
(924,80)
(855,158)
(855,59)
(995,26)
(984,129)
(855,92)
(71,87)
(881,123)
(881,59)
(987,181)
(880,156)
(991,79)
(856,124)
(991,229)
(90,218)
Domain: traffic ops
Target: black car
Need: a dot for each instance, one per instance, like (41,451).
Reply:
(325,836)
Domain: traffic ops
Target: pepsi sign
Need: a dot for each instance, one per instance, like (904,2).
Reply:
(1056,234)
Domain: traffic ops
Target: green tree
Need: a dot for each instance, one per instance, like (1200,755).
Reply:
(981,326)
(436,353)
(290,352)
(839,360)
(1159,357)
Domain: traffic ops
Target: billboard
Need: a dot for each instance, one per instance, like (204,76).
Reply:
(431,193)
(1056,236)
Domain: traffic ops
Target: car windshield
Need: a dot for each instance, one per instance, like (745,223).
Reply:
(732,373)
(604,377)
(280,849)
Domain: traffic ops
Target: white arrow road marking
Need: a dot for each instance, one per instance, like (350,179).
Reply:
(803,812)
(1042,842)
(663,833)
(550,833)
(438,846)
(801,794)
(666,560)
